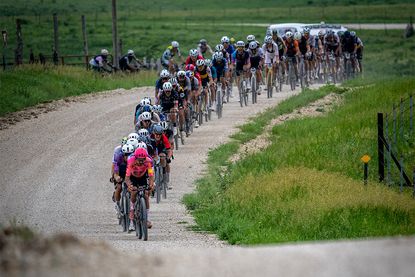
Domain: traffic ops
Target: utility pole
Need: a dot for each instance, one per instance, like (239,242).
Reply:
(114,33)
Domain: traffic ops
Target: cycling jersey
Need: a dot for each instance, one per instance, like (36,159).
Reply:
(271,52)
(291,48)
(221,66)
(280,42)
(213,72)
(229,50)
(167,102)
(98,61)
(162,145)
(240,58)
(139,170)
(185,84)
(255,58)
(331,40)
(348,45)
(125,61)
(302,45)
(190,61)
(204,74)
(194,83)
(204,49)
(120,165)
(167,55)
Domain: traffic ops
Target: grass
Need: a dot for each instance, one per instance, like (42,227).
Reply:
(30,85)
(308,184)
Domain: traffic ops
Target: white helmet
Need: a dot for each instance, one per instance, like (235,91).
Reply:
(143,132)
(219,55)
(181,73)
(321,33)
(133,142)
(219,47)
(173,81)
(164,124)
(174,44)
(130,52)
(127,148)
(268,39)
(193,53)
(164,73)
(208,62)
(200,62)
(253,45)
(240,43)
(289,34)
(132,135)
(145,116)
(297,36)
(142,144)
(224,39)
(167,86)
(104,52)
(145,101)
(157,108)
(250,38)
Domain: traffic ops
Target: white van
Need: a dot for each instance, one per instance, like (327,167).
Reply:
(299,27)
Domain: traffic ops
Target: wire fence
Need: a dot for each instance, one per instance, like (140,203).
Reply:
(397,145)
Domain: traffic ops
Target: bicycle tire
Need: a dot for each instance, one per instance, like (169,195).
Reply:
(253,88)
(143,218)
(164,185)
(125,218)
(176,140)
(158,184)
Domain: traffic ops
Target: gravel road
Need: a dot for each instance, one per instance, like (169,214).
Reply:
(55,170)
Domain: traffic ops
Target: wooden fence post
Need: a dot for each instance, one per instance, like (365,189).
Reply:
(85,41)
(18,53)
(114,33)
(55,36)
(381,148)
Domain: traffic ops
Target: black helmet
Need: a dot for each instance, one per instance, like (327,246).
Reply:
(347,34)
(157,129)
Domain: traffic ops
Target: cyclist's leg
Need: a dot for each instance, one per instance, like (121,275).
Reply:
(182,118)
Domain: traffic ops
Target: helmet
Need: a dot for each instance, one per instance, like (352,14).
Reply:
(147,108)
(232,40)
(148,100)
(104,52)
(330,32)
(200,62)
(145,101)
(268,39)
(127,149)
(130,52)
(289,34)
(140,153)
(224,39)
(181,74)
(167,86)
(306,31)
(208,62)
(219,55)
(240,43)
(219,47)
(203,41)
(158,129)
(253,45)
(164,73)
(174,44)
(340,33)
(132,135)
(157,108)
(321,33)
(250,38)
(346,34)
(145,116)
(164,125)
(133,142)
(143,132)
(193,53)
(353,34)
(173,81)
(190,67)
(275,32)
(190,74)
(142,144)
(297,35)
(124,140)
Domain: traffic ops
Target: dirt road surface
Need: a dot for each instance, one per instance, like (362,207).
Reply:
(55,170)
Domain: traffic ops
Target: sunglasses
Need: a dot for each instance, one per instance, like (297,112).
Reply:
(140,161)
(148,121)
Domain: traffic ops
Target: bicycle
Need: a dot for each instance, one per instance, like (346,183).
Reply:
(140,214)
(161,186)
(219,103)
(291,73)
(302,73)
(280,77)
(270,81)
(332,67)
(254,88)
(243,91)
(124,207)
(173,128)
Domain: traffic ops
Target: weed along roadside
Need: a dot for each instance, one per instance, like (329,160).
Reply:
(307,183)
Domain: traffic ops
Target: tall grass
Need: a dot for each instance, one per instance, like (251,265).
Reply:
(30,85)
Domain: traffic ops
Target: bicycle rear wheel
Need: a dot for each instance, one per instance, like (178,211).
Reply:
(158,183)
(253,88)
(125,204)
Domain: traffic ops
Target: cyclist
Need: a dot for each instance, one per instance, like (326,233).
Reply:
(167,59)
(256,59)
(282,48)
(241,62)
(206,78)
(332,45)
(162,148)
(139,108)
(271,56)
(249,39)
(359,51)
(229,48)
(193,57)
(305,43)
(169,101)
(119,168)
(195,91)
(232,43)
(100,62)
(220,64)
(204,48)
(129,62)
(164,77)
(145,122)
(349,45)
(292,51)
(139,169)
(184,90)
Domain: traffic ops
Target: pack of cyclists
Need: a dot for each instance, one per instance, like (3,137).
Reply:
(183,82)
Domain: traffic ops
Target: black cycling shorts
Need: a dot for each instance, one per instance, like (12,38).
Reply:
(255,62)
(139,181)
